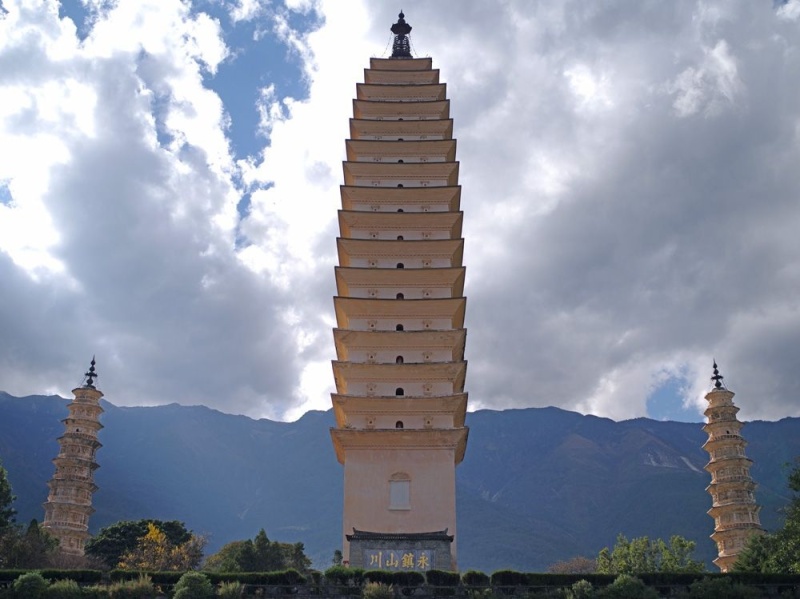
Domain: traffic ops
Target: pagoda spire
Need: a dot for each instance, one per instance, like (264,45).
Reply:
(89,376)
(717,378)
(401,48)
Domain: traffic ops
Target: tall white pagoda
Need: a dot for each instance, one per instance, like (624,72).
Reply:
(734,507)
(69,503)
(400,402)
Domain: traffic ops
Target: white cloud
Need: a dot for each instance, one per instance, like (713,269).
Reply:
(612,236)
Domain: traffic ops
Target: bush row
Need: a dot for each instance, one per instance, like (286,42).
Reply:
(356,577)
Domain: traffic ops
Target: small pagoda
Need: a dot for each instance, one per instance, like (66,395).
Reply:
(69,503)
(400,402)
(734,507)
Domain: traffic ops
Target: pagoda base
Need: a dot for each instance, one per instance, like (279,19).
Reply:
(401,551)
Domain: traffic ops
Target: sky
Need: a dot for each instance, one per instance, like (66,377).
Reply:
(169,176)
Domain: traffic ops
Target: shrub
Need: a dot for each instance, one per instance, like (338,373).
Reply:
(377,590)
(141,588)
(79,576)
(408,579)
(508,578)
(194,585)
(339,575)
(95,592)
(64,589)
(721,588)
(31,585)
(230,590)
(627,587)
(381,576)
(473,578)
(582,589)
(440,578)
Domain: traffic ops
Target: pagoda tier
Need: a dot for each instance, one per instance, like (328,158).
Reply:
(69,502)
(358,412)
(408,131)
(404,283)
(439,253)
(411,151)
(400,226)
(400,403)
(400,379)
(401,111)
(734,507)
(383,347)
(392,315)
(393,78)
(428,199)
(451,440)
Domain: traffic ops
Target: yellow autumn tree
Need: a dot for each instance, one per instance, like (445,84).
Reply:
(155,553)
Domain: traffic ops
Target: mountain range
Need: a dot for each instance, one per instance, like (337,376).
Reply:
(537,485)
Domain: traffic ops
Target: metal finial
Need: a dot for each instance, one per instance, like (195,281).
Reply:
(91,375)
(401,48)
(717,378)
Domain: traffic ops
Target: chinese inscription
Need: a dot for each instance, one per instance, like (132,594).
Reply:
(390,559)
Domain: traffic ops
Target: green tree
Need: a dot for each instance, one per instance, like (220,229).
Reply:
(7,512)
(32,547)
(155,552)
(258,555)
(640,555)
(778,552)
(112,541)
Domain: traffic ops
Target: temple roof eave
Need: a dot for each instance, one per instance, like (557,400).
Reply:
(352,405)
(408,439)
(453,340)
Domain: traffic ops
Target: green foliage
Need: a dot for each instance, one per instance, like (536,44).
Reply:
(382,576)
(32,548)
(627,587)
(440,578)
(408,579)
(377,590)
(778,552)
(111,542)
(7,512)
(140,588)
(508,578)
(721,588)
(30,586)
(230,590)
(473,578)
(641,555)
(64,589)
(194,585)
(258,555)
(154,551)
(582,589)
(342,576)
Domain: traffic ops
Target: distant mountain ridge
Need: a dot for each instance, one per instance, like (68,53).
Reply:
(537,485)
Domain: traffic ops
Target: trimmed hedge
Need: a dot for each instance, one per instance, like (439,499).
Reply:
(342,576)
(509,578)
(441,578)
(473,578)
(399,579)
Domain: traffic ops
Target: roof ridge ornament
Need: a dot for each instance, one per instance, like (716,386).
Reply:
(401,48)
(90,376)
(717,378)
